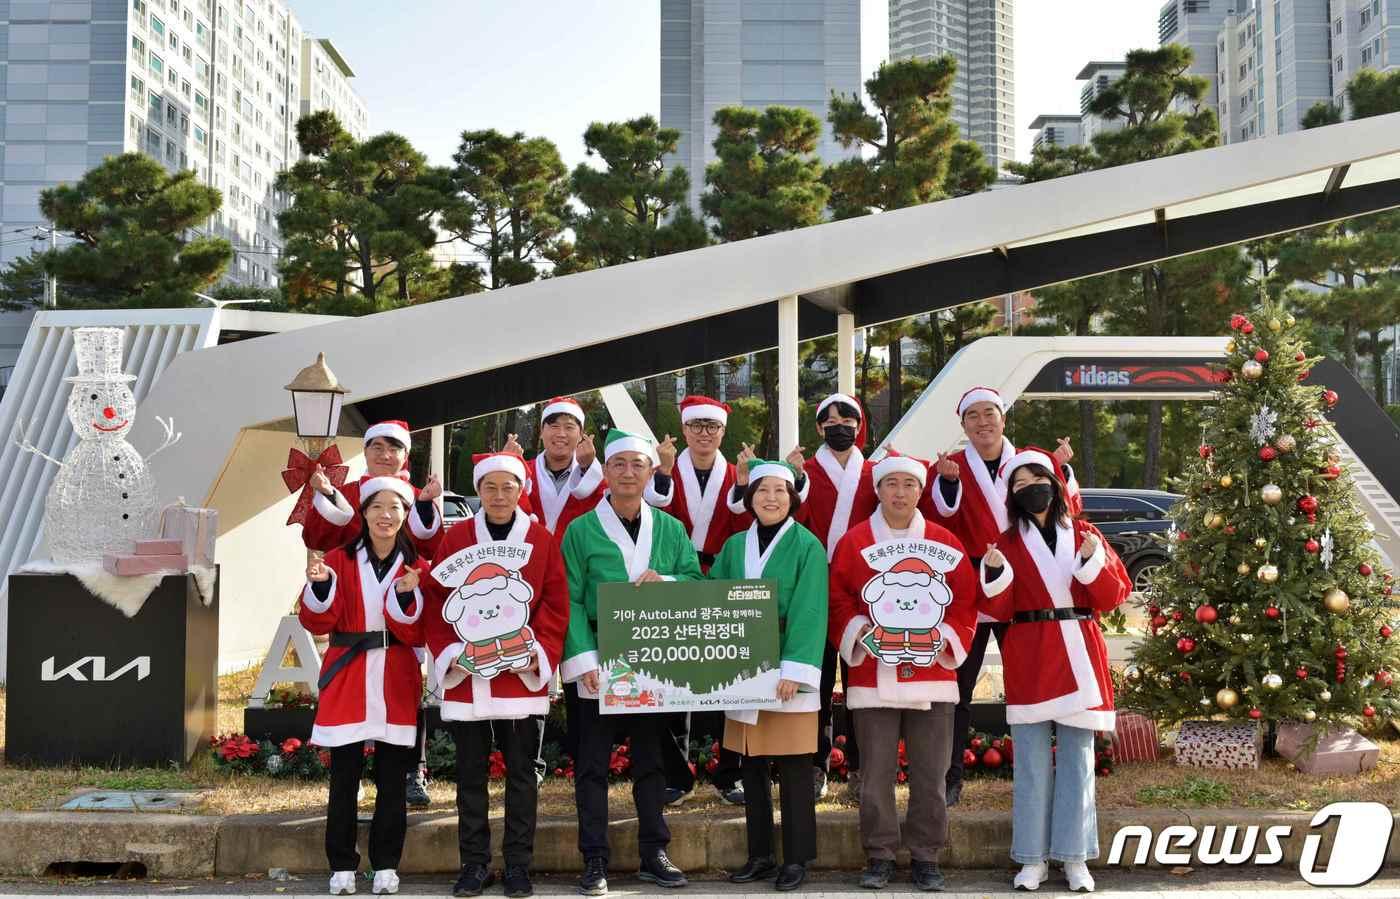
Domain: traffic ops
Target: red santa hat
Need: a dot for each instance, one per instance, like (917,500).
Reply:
(1032,455)
(565,405)
(485,463)
(898,463)
(488,577)
(395,485)
(854,403)
(980,395)
(394,430)
(703,408)
(910,572)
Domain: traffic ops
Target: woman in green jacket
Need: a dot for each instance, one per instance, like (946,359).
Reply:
(777,548)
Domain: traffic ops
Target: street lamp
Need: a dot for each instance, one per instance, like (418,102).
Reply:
(316,401)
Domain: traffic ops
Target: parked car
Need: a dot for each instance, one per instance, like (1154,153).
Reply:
(457,508)
(1129,520)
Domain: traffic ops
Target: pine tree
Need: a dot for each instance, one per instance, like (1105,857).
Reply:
(1273,605)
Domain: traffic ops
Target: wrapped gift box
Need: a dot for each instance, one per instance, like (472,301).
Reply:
(1342,751)
(1219,744)
(194,528)
(159,548)
(130,563)
(1134,738)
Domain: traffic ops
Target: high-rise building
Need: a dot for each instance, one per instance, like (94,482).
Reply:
(1195,24)
(213,86)
(325,84)
(979,35)
(754,53)
(1097,76)
(1057,131)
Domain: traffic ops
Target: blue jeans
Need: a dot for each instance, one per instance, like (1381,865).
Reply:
(1053,813)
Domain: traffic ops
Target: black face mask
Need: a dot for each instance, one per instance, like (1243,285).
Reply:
(839,437)
(1035,498)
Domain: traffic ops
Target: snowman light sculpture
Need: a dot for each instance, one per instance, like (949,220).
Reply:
(103,497)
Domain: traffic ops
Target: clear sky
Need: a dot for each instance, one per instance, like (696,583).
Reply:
(431,69)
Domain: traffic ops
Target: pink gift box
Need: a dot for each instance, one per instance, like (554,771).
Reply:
(1341,751)
(159,548)
(127,564)
(194,528)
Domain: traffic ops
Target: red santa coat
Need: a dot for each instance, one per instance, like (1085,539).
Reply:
(332,523)
(1056,670)
(709,515)
(872,683)
(555,506)
(509,694)
(835,497)
(375,696)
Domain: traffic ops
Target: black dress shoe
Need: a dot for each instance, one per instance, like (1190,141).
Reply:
(473,879)
(791,877)
(517,882)
(659,870)
(594,881)
(755,869)
(953,794)
(927,877)
(877,874)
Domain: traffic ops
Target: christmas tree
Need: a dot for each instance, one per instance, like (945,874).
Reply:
(1273,605)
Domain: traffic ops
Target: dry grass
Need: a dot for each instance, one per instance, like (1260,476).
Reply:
(1276,785)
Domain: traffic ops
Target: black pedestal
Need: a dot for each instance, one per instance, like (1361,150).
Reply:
(85,684)
(277,724)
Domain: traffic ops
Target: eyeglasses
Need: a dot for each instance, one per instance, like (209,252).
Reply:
(704,427)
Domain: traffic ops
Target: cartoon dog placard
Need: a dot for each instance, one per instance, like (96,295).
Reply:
(490,612)
(906,602)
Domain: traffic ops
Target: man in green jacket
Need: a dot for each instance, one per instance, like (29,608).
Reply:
(622,540)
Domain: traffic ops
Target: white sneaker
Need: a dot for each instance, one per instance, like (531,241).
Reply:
(343,883)
(386,881)
(1077,873)
(1031,876)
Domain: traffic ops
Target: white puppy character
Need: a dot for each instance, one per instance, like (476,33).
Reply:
(907,604)
(490,612)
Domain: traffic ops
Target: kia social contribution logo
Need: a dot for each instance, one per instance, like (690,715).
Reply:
(1358,852)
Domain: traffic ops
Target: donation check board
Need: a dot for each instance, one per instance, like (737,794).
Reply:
(680,646)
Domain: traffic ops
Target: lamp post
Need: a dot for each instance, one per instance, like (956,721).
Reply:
(316,402)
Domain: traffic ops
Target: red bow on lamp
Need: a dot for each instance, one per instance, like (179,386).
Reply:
(297,476)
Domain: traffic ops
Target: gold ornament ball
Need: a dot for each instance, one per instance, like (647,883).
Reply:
(1227,698)
(1271,494)
(1226,480)
(1336,600)
(1271,681)
(1275,325)
(1243,568)
(1310,715)
(1286,443)
(1289,320)
(1230,346)
(1268,573)
(1252,371)
(1325,696)
(1215,520)
(1260,543)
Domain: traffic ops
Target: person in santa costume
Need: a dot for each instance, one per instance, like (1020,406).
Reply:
(565,479)
(1052,575)
(622,540)
(903,610)
(370,683)
(775,548)
(331,522)
(838,493)
(970,501)
(505,612)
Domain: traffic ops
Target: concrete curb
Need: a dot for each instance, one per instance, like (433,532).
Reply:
(187,846)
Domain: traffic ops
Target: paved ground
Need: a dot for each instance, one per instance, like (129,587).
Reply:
(1137,885)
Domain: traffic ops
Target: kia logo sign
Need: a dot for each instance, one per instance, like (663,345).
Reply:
(98,666)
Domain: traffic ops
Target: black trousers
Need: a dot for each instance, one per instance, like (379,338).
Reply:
(967,681)
(799,806)
(830,663)
(571,722)
(386,833)
(422,739)
(683,729)
(596,735)
(519,743)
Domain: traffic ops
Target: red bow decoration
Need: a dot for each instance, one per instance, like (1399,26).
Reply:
(297,476)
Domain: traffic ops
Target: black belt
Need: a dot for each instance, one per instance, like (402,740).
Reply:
(356,643)
(1075,614)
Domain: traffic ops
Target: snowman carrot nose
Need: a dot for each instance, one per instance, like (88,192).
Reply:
(109,412)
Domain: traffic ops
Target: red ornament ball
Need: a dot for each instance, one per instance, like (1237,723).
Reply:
(1154,609)
(1385,631)
(1185,645)
(1303,375)
(1300,357)
(1185,675)
(1369,711)
(1247,328)
(1205,451)
(1256,714)
(1332,472)
(1302,673)
(1307,503)
(1261,356)
(1230,529)
(1159,621)
(1206,614)
(1385,678)
(1364,569)
(1272,612)
(1330,398)
(991,759)
(1268,453)
(1237,321)
(969,758)
(1312,546)
(1177,616)
(1340,652)
(975,742)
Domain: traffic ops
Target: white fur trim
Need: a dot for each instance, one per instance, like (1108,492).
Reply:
(397,486)
(345,734)
(506,462)
(809,675)
(308,598)
(631,445)
(889,691)
(572,669)
(850,649)
(992,487)
(846,481)
(899,465)
(567,407)
(337,511)
(700,504)
(537,680)
(660,500)
(1027,457)
(704,412)
(1066,709)
(736,508)
(772,470)
(836,398)
(391,606)
(980,395)
(445,669)
(995,588)
(392,430)
(1090,568)
(588,482)
(941,507)
(805,488)
(417,528)
(495,708)
(954,653)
